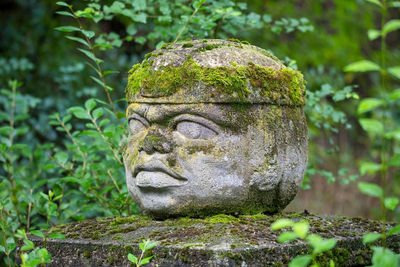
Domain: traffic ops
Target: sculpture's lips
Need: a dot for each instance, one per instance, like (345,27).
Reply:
(156,175)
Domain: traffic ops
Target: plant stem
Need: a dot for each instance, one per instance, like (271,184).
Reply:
(384,121)
(187,22)
(14,198)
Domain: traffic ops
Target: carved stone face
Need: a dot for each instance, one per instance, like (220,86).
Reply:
(202,159)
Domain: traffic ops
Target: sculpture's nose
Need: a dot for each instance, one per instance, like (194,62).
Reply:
(156,140)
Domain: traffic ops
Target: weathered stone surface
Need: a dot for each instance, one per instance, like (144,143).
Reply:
(203,159)
(214,241)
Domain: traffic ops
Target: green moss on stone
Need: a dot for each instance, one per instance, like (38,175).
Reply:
(187,45)
(222,218)
(234,80)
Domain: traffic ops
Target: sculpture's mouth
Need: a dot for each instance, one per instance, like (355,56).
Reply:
(156,175)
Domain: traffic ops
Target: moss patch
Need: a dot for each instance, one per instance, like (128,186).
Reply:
(237,81)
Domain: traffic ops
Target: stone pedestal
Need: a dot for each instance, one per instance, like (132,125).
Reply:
(220,240)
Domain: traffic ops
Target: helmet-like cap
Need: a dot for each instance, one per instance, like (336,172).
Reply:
(214,71)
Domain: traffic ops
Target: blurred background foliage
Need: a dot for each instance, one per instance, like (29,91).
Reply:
(61,106)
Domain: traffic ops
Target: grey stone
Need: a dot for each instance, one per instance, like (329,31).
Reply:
(220,240)
(241,153)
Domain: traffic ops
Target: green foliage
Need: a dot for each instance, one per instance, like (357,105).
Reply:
(145,246)
(300,230)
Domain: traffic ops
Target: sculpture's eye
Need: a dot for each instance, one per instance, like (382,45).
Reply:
(194,130)
(135,126)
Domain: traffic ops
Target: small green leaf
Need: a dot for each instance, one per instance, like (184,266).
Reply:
(394,4)
(371,237)
(300,261)
(150,245)
(68,29)
(373,34)
(395,71)
(28,245)
(2,249)
(88,34)
(60,3)
(395,95)
(77,39)
(369,104)
(301,229)
(91,55)
(287,237)
(370,168)
(97,113)
(376,2)
(391,202)
(325,245)
(37,233)
(11,244)
(57,236)
(281,223)
(394,230)
(79,112)
(145,260)
(65,13)
(132,258)
(90,104)
(131,29)
(140,40)
(370,189)
(395,134)
(384,257)
(391,25)
(371,125)
(362,66)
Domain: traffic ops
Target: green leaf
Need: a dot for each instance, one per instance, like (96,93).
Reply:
(371,125)
(395,161)
(395,71)
(88,34)
(384,257)
(90,55)
(370,189)
(362,66)
(145,260)
(11,244)
(281,223)
(300,261)
(371,237)
(37,233)
(57,236)
(90,104)
(394,230)
(395,134)
(72,179)
(394,4)
(150,245)
(131,29)
(373,34)
(324,245)
(369,167)
(60,3)
(97,113)
(28,245)
(369,104)
(301,229)
(287,237)
(79,112)
(61,157)
(2,249)
(391,202)
(391,25)
(140,40)
(77,39)
(142,17)
(68,29)
(376,2)
(65,13)
(395,95)
(132,258)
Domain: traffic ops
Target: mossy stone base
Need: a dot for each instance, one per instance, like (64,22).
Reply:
(220,240)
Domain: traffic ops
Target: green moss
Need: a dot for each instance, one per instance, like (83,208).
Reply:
(222,218)
(187,45)
(165,46)
(274,84)
(86,254)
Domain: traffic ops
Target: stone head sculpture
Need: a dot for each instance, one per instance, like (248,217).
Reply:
(215,127)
